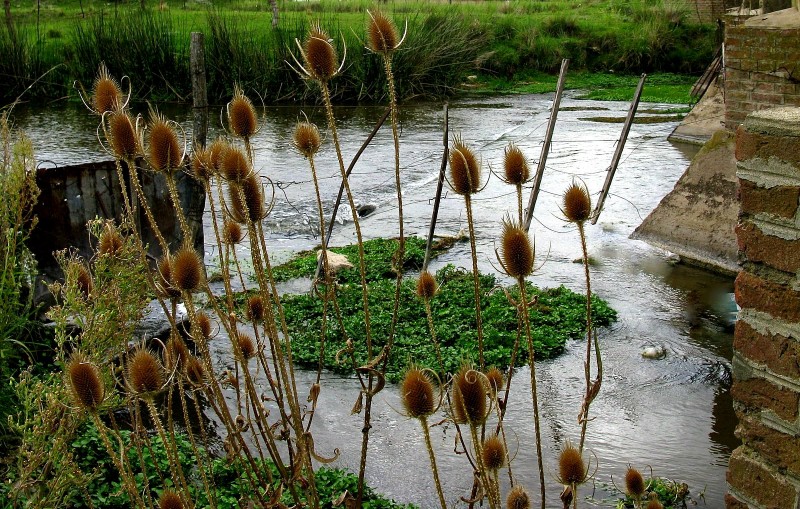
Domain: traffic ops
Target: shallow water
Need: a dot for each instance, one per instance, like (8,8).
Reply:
(674,414)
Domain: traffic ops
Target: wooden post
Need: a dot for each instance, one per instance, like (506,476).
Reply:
(438,199)
(199,95)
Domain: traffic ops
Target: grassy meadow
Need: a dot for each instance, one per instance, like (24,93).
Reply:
(514,45)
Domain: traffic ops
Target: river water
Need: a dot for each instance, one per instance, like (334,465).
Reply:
(673,414)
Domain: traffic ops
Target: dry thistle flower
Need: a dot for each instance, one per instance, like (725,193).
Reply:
(634,483)
(319,55)
(169,500)
(203,323)
(145,374)
(195,371)
(216,152)
(242,117)
(231,233)
(253,201)
(468,398)
(255,308)
(234,164)
(110,242)
(515,165)
(571,468)
(417,393)
(577,203)
(176,353)
(495,377)
(106,92)
(164,149)
(123,135)
(87,386)
(187,270)
(516,254)
(165,286)
(382,33)
(83,279)
(426,285)
(202,169)
(465,170)
(518,498)
(654,503)
(494,453)
(246,345)
(306,138)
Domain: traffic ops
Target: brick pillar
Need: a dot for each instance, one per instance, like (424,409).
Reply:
(764,472)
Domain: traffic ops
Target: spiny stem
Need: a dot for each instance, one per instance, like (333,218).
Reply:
(589,337)
(476,280)
(435,340)
(428,445)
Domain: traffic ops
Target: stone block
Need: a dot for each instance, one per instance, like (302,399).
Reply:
(759,482)
(775,447)
(776,252)
(759,394)
(776,299)
(781,201)
(780,354)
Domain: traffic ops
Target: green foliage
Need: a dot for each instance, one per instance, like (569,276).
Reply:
(558,316)
(671,494)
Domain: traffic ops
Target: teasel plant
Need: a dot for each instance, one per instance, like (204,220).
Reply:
(572,472)
(516,172)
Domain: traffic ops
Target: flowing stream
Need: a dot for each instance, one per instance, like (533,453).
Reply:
(674,414)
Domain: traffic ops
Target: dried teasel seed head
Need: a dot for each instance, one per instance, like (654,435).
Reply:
(123,137)
(234,164)
(468,398)
(232,233)
(145,373)
(465,170)
(251,209)
(255,308)
(495,377)
(106,93)
(216,153)
(187,270)
(426,285)
(321,61)
(165,286)
(570,466)
(654,502)
(242,116)
(634,482)
(417,393)
(169,500)
(516,251)
(577,203)
(313,392)
(203,323)
(518,498)
(306,138)
(87,386)
(246,345)
(382,33)
(494,453)
(176,353)
(195,371)
(110,242)
(164,149)
(83,279)
(202,169)
(515,165)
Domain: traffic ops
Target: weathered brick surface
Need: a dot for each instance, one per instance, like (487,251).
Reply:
(781,201)
(757,393)
(774,251)
(732,502)
(778,353)
(751,145)
(776,299)
(777,448)
(759,483)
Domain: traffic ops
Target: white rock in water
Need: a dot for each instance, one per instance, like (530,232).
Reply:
(654,352)
(336,261)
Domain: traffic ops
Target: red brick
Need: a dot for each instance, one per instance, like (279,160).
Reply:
(778,353)
(732,502)
(781,201)
(784,148)
(770,99)
(765,88)
(774,251)
(774,298)
(758,394)
(779,449)
(754,480)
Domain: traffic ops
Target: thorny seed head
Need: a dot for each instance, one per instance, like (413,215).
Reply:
(203,323)
(110,242)
(106,93)
(195,371)
(242,116)
(306,139)
(577,203)
(417,393)
(654,503)
(123,136)
(465,170)
(83,279)
(202,169)
(253,200)
(169,500)
(634,483)
(382,33)
(468,398)
(231,233)
(518,498)
(515,166)
(516,250)
(246,345)
(164,149)
(321,61)
(216,152)
(145,373)
(255,308)
(426,285)
(176,353)
(571,468)
(187,270)
(494,453)
(86,384)
(234,164)
(495,378)
(165,286)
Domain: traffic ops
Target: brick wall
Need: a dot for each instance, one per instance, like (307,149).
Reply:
(764,472)
(762,66)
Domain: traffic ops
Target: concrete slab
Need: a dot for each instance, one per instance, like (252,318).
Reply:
(706,118)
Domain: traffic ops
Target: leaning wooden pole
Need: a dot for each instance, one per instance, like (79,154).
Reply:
(551,125)
(438,198)
(618,153)
(199,93)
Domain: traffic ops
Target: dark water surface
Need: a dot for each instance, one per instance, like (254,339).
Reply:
(673,414)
